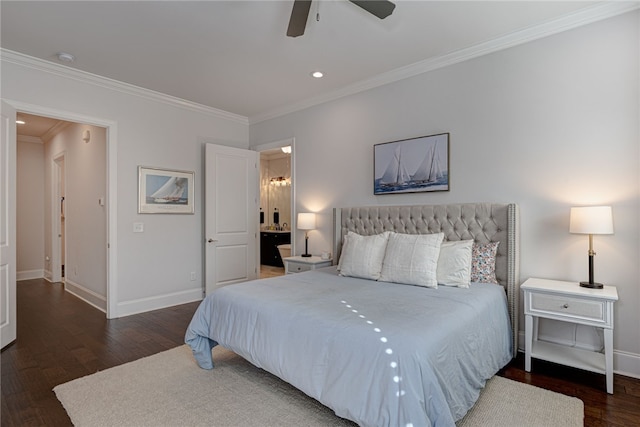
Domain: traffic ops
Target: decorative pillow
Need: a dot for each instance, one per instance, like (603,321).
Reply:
(483,262)
(412,259)
(345,239)
(454,263)
(362,255)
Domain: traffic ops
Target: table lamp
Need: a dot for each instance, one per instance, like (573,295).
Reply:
(306,222)
(591,220)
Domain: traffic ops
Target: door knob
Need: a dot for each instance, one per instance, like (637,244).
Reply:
(211,240)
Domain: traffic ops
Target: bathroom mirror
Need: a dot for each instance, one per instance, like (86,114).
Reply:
(275,189)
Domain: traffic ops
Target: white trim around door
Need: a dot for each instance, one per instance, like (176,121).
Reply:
(112,181)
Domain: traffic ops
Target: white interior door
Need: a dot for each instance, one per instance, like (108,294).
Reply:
(8,226)
(231,216)
(58,207)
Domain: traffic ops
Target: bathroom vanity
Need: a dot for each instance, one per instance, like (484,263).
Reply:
(269,241)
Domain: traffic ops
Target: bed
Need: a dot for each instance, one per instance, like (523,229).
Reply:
(378,352)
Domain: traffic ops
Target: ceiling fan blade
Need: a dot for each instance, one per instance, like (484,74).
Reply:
(379,8)
(298,20)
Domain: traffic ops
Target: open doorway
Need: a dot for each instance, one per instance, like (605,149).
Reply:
(71,196)
(276,206)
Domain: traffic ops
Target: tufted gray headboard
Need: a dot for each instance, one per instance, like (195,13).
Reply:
(482,222)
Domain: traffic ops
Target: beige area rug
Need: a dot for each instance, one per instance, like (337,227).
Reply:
(169,389)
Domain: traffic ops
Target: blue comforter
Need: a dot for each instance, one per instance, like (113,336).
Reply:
(380,354)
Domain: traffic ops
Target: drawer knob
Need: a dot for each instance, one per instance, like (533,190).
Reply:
(566,305)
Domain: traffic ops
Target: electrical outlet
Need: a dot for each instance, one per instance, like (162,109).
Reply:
(192,276)
(138,227)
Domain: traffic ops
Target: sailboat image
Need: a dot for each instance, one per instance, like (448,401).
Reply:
(395,174)
(412,165)
(171,191)
(430,169)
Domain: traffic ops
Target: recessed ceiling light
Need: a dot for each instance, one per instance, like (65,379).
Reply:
(317,74)
(65,57)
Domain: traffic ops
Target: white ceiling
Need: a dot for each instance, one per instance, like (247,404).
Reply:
(235,56)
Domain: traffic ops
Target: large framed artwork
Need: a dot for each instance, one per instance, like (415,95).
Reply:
(165,191)
(412,165)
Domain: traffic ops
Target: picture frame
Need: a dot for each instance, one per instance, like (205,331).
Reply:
(165,191)
(412,165)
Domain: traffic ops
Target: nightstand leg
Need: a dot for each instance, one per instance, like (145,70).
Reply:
(528,341)
(608,358)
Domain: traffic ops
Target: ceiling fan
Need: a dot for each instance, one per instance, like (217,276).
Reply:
(300,13)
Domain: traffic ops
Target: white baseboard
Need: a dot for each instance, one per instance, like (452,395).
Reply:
(87,295)
(48,276)
(29,275)
(627,364)
(624,363)
(127,308)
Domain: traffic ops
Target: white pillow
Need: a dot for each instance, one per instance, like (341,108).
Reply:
(362,255)
(454,263)
(412,259)
(345,241)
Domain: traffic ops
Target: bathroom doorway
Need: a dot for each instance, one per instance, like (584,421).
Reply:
(276,206)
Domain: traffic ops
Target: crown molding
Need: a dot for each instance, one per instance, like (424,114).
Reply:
(56,129)
(30,139)
(588,15)
(20,59)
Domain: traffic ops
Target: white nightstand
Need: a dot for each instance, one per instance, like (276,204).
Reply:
(297,264)
(567,301)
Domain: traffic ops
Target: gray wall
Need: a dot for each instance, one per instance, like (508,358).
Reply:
(147,270)
(85,181)
(30,261)
(549,124)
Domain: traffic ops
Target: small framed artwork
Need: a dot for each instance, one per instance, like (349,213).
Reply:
(165,191)
(412,165)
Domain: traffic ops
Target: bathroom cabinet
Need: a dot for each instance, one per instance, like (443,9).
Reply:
(269,241)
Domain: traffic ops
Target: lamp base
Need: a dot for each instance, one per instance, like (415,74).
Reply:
(306,253)
(591,285)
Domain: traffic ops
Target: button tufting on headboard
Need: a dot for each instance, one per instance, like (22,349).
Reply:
(482,222)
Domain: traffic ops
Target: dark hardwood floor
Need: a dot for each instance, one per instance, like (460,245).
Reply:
(61,338)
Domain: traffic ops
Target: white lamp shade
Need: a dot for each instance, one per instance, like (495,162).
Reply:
(591,220)
(306,221)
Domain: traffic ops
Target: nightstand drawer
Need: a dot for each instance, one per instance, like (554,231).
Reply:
(567,306)
(295,267)
(298,264)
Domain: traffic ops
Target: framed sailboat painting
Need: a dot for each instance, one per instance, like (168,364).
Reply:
(412,165)
(165,191)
